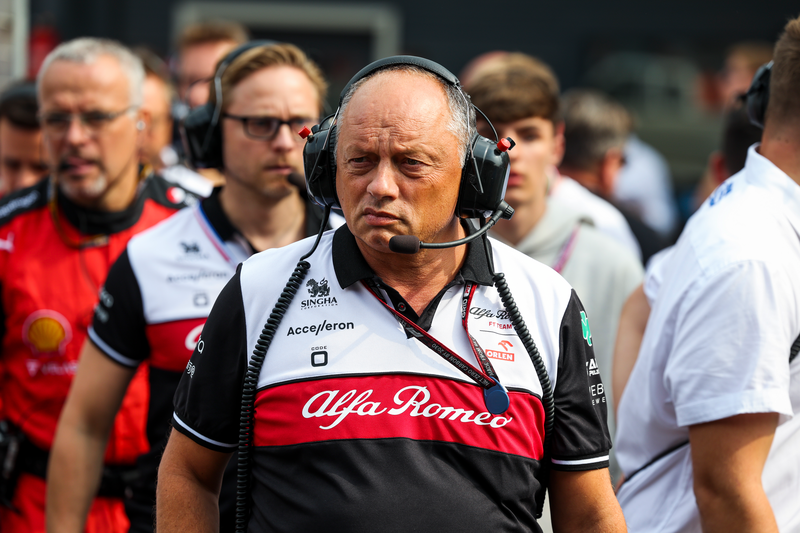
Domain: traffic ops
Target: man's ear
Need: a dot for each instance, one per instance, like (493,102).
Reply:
(610,166)
(718,168)
(558,149)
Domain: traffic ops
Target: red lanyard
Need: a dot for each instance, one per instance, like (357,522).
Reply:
(566,250)
(494,394)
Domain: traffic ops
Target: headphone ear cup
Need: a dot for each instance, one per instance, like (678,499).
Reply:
(483,191)
(319,166)
(757,96)
(202,140)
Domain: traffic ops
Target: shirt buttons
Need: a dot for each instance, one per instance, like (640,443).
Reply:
(401,307)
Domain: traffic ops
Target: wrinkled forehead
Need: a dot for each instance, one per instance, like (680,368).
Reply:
(101,82)
(397,98)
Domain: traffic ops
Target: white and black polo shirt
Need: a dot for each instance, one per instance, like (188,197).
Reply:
(154,304)
(358,425)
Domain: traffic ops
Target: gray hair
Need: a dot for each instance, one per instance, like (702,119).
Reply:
(462,114)
(86,50)
(593,125)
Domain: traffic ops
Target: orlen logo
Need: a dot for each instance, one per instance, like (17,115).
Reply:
(193,337)
(502,355)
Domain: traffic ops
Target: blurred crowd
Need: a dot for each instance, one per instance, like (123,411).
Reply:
(104,145)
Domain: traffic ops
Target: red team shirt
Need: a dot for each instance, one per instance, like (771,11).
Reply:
(49,290)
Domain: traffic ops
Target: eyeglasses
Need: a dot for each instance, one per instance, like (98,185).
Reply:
(93,121)
(266,128)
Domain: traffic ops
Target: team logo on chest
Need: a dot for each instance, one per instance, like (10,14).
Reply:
(46,332)
(319,295)
(503,353)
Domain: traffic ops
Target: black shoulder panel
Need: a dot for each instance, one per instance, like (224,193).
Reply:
(22,201)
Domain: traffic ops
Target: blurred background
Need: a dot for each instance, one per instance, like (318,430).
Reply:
(672,64)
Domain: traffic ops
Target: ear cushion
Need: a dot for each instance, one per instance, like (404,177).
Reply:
(318,164)
(758,95)
(483,180)
(202,139)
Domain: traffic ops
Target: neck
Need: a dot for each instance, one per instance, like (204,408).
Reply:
(418,277)
(588,178)
(525,218)
(780,145)
(265,222)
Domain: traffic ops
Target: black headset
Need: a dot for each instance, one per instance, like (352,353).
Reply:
(757,96)
(485,171)
(200,129)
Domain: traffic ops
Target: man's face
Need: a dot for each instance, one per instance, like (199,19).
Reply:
(278,92)
(398,167)
(196,67)
(156,107)
(538,148)
(91,155)
(21,157)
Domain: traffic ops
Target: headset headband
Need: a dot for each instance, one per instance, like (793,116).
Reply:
(420,62)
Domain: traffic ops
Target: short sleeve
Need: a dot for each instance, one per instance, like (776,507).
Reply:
(730,350)
(118,327)
(580,433)
(208,398)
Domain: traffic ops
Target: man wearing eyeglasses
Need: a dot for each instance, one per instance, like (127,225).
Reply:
(159,293)
(58,239)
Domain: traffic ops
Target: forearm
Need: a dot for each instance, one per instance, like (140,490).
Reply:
(584,502)
(73,476)
(184,504)
(189,482)
(741,508)
(728,459)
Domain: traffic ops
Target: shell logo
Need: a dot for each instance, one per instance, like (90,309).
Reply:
(46,331)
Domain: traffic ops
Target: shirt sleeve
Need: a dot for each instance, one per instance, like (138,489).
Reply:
(580,433)
(730,349)
(209,395)
(119,327)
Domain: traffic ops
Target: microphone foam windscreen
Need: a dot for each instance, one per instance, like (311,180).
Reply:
(404,244)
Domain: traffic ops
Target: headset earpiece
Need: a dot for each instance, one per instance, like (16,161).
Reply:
(318,163)
(483,179)
(200,129)
(757,96)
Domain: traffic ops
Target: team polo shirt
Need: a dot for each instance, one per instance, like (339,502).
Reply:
(48,289)
(725,314)
(155,302)
(359,427)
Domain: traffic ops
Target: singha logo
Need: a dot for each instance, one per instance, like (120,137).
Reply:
(319,295)
(190,247)
(318,290)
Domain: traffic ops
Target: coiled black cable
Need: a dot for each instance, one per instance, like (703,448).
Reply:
(541,371)
(251,379)
(524,335)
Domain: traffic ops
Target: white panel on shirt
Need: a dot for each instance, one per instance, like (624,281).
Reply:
(362,337)
(179,267)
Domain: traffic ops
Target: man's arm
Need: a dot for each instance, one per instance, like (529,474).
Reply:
(189,481)
(728,459)
(584,502)
(76,459)
(632,323)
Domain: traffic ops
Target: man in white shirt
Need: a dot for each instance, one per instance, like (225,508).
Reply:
(707,436)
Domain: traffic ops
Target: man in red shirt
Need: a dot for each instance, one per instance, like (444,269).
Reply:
(57,241)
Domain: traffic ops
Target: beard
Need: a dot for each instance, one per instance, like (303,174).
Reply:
(85,188)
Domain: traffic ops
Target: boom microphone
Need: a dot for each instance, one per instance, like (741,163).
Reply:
(410,244)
